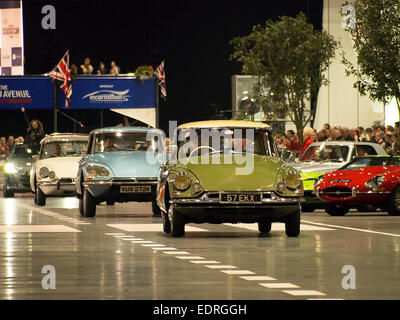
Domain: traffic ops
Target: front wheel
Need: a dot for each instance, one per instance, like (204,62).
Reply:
(110,202)
(80,205)
(166,223)
(155,208)
(292,224)
(89,204)
(264,226)
(6,192)
(40,197)
(334,209)
(393,207)
(178,224)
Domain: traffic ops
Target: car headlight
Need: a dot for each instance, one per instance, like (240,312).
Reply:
(182,182)
(97,171)
(196,187)
(44,172)
(52,175)
(292,181)
(281,187)
(375,182)
(10,168)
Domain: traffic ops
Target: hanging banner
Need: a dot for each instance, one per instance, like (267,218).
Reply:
(110,92)
(28,92)
(11,38)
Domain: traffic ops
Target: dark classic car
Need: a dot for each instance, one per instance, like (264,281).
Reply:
(17,171)
(373,181)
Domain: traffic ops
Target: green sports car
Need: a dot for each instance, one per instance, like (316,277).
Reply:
(227,171)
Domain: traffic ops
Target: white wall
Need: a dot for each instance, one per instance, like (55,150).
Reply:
(339,103)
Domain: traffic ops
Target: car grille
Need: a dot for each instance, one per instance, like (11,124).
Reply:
(337,192)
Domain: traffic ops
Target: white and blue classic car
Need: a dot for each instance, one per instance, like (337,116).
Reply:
(121,165)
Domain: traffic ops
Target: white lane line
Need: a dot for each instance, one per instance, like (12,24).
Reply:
(190,257)
(148,227)
(355,229)
(141,241)
(204,261)
(325,299)
(221,266)
(176,252)
(279,285)
(277,226)
(304,292)
(124,236)
(258,278)
(153,245)
(236,272)
(168,248)
(45,212)
(115,234)
(131,239)
(37,228)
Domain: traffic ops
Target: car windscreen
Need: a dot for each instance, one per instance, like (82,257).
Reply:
(195,142)
(55,149)
(323,152)
(22,152)
(364,162)
(126,141)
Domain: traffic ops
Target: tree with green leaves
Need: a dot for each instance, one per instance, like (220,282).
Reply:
(289,58)
(374,27)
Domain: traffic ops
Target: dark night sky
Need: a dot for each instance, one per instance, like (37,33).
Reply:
(191,36)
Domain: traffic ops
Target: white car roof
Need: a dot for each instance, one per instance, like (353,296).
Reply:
(65,136)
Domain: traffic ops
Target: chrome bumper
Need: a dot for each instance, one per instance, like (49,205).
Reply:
(354,192)
(58,187)
(213,198)
(110,189)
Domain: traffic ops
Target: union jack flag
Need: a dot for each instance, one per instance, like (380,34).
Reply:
(160,74)
(62,73)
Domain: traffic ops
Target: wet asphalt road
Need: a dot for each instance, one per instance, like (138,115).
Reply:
(122,253)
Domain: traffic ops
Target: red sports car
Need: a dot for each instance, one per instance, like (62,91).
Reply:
(373,181)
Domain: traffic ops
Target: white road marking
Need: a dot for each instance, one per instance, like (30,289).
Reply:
(115,234)
(141,241)
(148,227)
(124,236)
(276,226)
(48,212)
(204,261)
(258,278)
(236,272)
(304,292)
(355,229)
(153,245)
(131,239)
(325,299)
(165,248)
(37,228)
(176,252)
(220,266)
(190,257)
(279,285)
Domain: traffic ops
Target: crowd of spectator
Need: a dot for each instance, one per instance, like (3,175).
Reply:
(386,136)
(34,134)
(87,69)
